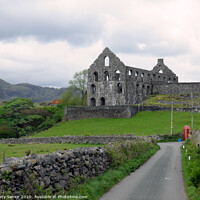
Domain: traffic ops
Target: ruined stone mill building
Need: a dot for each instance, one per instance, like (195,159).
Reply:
(113,88)
(111,82)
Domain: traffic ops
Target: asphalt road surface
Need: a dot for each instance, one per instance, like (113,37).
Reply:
(160,178)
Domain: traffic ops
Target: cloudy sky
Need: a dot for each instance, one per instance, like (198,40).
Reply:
(44,42)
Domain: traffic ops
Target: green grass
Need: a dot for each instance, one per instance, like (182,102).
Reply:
(18,150)
(180,100)
(143,123)
(191,170)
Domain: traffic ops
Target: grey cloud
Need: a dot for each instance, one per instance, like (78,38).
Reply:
(76,30)
(128,42)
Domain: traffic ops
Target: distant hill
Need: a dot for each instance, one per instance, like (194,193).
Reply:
(25,90)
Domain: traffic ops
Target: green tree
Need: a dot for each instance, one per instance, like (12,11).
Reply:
(69,99)
(79,82)
(13,118)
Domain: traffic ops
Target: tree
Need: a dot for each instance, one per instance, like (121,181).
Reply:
(79,82)
(14,119)
(70,98)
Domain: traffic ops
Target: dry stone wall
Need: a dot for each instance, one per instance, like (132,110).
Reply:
(79,139)
(115,111)
(53,171)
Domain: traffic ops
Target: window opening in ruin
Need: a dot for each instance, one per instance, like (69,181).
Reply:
(164,78)
(93,102)
(174,79)
(119,88)
(106,61)
(142,89)
(148,75)
(136,73)
(161,71)
(106,76)
(154,75)
(95,76)
(158,77)
(102,101)
(169,80)
(142,75)
(130,72)
(137,85)
(93,89)
(117,75)
(148,90)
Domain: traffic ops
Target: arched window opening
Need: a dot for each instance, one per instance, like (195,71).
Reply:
(93,89)
(107,61)
(95,76)
(158,77)
(117,75)
(102,101)
(119,88)
(93,102)
(136,73)
(148,90)
(169,80)
(137,85)
(174,79)
(161,71)
(106,76)
(130,72)
(164,78)
(148,75)
(154,75)
(142,75)
(142,89)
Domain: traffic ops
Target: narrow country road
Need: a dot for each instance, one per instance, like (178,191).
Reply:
(160,178)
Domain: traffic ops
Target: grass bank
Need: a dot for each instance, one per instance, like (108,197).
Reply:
(18,150)
(122,166)
(143,123)
(191,170)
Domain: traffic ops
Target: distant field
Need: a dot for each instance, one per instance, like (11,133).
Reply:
(143,123)
(18,150)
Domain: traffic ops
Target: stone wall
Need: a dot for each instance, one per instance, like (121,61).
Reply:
(115,111)
(54,171)
(78,139)
(100,112)
(176,88)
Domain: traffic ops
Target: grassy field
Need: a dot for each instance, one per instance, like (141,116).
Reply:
(143,123)
(18,150)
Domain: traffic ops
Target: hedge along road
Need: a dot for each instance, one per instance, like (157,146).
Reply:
(160,178)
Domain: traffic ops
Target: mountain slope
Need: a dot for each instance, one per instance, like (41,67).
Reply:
(26,90)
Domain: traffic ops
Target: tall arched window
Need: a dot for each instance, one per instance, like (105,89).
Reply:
(136,73)
(148,90)
(106,61)
(117,75)
(119,88)
(93,102)
(93,89)
(130,72)
(102,101)
(95,76)
(106,76)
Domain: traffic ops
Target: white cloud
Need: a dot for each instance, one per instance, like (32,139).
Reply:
(46,42)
